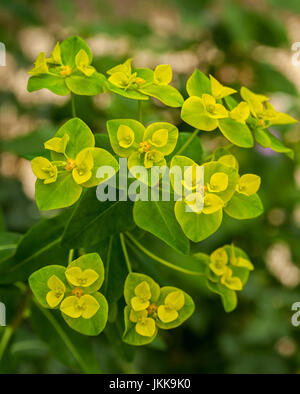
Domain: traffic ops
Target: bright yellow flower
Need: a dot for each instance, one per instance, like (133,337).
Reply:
(173,303)
(145,325)
(218,261)
(152,157)
(240,113)
(212,204)
(57,144)
(160,138)
(66,71)
(55,56)
(124,68)
(218,182)
(233,283)
(85,306)
(248,184)
(82,62)
(218,90)
(241,262)
(57,291)
(77,277)
(125,136)
(163,74)
(213,110)
(84,163)
(43,169)
(40,65)
(142,299)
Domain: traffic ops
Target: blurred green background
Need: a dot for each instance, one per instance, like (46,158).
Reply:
(241,43)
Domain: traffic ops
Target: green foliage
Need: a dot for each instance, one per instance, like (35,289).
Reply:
(68,166)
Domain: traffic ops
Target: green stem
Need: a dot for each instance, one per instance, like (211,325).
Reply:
(122,239)
(71,254)
(73,105)
(9,330)
(187,143)
(140,113)
(159,259)
(64,337)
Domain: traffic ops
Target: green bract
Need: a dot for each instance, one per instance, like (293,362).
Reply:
(67,70)
(140,83)
(74,166)
(150,307)
(74,290)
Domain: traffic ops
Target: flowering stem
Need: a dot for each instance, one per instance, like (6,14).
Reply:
(187,143)
(159,259)
(73,105)
(140,114)
(122,239)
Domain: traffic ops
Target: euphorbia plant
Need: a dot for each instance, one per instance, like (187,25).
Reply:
(106,237)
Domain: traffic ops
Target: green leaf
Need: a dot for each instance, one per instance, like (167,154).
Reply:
(137,128)
(8,244)
(194,150)
(229,297)
(39,247)
(87,86)
(38,282)
(198,84)
(94,325)
(183,314)
(68,347)
(90,261)
(194,114)
(56,84)
(158,218)
(102,141)
(60,194)
(197,226)
(93,221)
(237,133)
(262,137)
(133,280)
(277,146)
(244,207)
(69,49)
(130,335)
(166,94)
(80,137)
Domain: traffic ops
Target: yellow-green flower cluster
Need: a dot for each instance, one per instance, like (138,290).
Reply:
(73,302)
(222,265)
(145,314)
(55,66)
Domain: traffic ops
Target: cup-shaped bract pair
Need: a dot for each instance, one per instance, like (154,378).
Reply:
(74,290)
(74,165)
(150,307)
(143,147)
(140,83)
(214,189)
(68,70)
